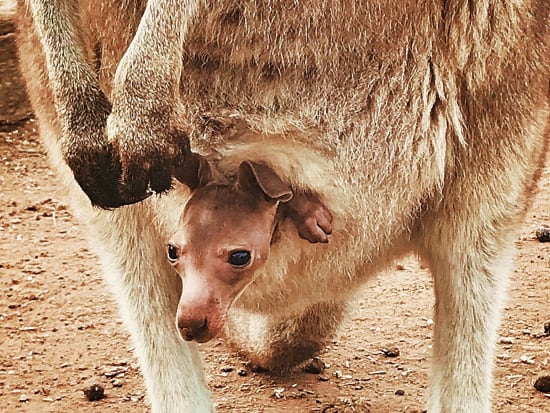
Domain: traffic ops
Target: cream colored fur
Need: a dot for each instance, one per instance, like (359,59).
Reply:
(419,123)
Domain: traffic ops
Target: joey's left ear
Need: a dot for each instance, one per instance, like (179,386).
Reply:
(195,173)
(254,176)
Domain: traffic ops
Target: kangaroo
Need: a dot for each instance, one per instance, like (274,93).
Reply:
(386,129)
(224,238)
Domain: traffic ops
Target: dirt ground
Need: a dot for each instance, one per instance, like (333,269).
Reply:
(60,332)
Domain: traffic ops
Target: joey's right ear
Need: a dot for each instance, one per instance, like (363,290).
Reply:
(195,173)
(257,176)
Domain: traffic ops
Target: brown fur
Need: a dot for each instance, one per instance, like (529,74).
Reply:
(418,124)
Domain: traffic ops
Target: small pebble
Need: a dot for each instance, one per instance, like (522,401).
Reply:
(116,383)
(543,384)
(390,351)
(400,392)
(23,398)
(315,366)
(506,340)
(547,328)
(278,393)
(94,392)
(527,359)
(543,233)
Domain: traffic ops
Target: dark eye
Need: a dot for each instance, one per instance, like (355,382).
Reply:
(239,258)
(172,253)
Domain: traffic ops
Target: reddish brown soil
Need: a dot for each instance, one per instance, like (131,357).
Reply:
(59,330)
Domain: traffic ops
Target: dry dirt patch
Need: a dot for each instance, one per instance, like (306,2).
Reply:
(59,331)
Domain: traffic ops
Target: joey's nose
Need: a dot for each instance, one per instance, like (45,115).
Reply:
(194,328)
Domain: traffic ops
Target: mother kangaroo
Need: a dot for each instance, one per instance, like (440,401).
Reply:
(416,126)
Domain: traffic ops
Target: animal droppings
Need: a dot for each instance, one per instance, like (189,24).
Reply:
(390,351)
(543,233)
(94,393)
(543,384)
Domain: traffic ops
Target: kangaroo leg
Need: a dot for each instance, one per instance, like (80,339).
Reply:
(146,139)
(468,244)
(127,240)
(81,106)
(146,124)
(469,289)
(147,291)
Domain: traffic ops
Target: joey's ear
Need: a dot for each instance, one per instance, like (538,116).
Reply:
(195,173)
(254,176)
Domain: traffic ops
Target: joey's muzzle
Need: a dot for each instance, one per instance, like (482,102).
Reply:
(199,318)
(195,329)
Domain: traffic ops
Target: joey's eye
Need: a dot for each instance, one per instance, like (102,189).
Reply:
(239,258)
(173,254)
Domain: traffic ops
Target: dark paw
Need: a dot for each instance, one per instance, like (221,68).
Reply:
(134,163)
(148,156)
(146,171)
(94,162)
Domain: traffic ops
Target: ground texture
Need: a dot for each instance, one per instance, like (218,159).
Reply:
(60,332)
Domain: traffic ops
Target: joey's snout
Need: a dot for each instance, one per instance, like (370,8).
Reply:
(197,321)
(194,328)
(209,287)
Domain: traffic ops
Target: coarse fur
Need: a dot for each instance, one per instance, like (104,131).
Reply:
(419,125)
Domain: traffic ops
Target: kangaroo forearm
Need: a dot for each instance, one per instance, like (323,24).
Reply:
(74,84)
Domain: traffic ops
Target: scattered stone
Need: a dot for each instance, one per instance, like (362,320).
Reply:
(331,408)
(242,372)
(95,392)
(347,405)
(506,340)
(278,393)
(543,384)
(23,398)
(527,359)
(116,383)
(390,351)
(543,233)
(115,372)
(315,366)
(227,369)
(400,392)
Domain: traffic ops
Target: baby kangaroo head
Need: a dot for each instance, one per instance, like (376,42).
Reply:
(223,238)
